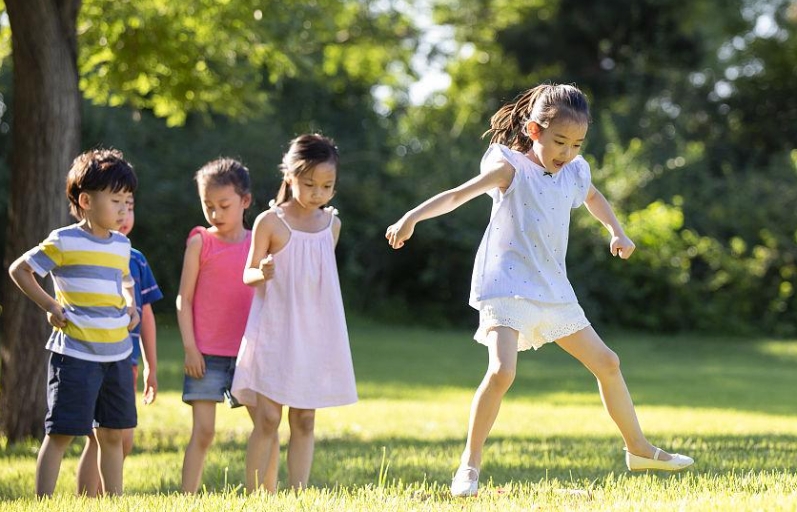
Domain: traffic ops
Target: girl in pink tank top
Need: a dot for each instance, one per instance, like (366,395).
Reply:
(295,351)
(212,303)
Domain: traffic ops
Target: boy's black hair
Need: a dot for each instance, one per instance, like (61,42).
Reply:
(95,170)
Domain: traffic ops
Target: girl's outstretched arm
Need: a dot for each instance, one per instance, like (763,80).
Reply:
(499,176)
(600,208)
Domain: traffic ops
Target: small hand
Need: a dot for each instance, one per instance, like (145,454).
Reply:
(150,386)
(194,364)
(134,318)
(399,232)
(56,316)
(266,266)
(622,246)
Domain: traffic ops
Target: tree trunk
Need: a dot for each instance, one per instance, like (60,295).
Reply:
(45,138)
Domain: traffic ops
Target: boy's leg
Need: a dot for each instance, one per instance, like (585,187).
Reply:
(202,433)
(262,455)
(115,412)
(300,446)
(111,459)
(586,346)
(502,348)
(72,389)
(48,463)
(88,471)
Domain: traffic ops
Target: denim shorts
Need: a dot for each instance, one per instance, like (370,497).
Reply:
(537,323)
(80,392)
(215,385)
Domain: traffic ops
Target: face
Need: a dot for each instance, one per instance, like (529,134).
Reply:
(557,145)
(223,207)
(130,217)
(315,188)
(104,210)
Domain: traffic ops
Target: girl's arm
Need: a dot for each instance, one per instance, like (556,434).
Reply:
(24,277)
(259,264)
(499,176)
(600,208)
(194,362)
(149,351)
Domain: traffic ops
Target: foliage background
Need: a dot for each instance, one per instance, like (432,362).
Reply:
(692,140)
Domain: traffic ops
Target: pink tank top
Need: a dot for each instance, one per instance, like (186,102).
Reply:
(221,299)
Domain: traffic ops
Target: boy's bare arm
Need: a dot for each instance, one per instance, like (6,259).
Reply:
(24,277)
(149,352)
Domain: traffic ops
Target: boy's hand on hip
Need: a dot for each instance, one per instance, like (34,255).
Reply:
(134,318)
(56,316)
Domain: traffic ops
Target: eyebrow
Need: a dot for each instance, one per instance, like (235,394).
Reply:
(562,136)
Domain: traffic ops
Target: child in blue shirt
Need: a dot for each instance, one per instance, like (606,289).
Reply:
(144,339)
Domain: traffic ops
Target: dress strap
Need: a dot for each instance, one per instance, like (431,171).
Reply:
(280,213)
(333,212)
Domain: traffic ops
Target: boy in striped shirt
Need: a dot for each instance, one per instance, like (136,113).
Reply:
(89,374)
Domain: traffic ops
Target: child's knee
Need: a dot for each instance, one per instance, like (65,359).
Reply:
(110,436)
(302,421)
(267,421)
(501,376)
(608,364)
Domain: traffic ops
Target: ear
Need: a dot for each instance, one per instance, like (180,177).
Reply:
(246,200)
(534,130)
(84,200)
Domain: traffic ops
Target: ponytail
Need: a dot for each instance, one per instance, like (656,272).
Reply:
(305,152)
(541,104)
(284,193)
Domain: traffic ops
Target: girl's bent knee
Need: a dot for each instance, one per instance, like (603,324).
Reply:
(608,364)
(501,378)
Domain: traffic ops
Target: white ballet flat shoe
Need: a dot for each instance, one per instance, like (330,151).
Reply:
(637,463)
(465,483)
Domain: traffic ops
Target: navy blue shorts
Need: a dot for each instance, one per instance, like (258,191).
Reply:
(79,392)
(215,385)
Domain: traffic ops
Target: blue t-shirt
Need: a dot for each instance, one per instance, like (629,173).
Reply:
(147,292)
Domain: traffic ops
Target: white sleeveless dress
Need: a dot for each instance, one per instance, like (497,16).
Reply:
(295,350)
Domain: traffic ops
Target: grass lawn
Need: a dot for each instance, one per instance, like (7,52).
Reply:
(729,403)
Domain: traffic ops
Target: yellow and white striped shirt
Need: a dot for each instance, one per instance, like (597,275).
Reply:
(88,274)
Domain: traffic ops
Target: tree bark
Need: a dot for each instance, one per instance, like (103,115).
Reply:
(45,139)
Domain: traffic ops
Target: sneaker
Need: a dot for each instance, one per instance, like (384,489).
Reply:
(466,482)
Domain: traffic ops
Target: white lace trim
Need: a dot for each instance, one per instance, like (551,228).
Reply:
(535,325)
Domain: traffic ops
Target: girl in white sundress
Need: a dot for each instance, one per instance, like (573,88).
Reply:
(295,351)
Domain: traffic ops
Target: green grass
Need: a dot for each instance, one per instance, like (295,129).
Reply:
(727,402)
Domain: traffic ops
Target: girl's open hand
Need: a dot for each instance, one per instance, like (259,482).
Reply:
(399,232)
(622,246)
(194,363)
(266,266)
